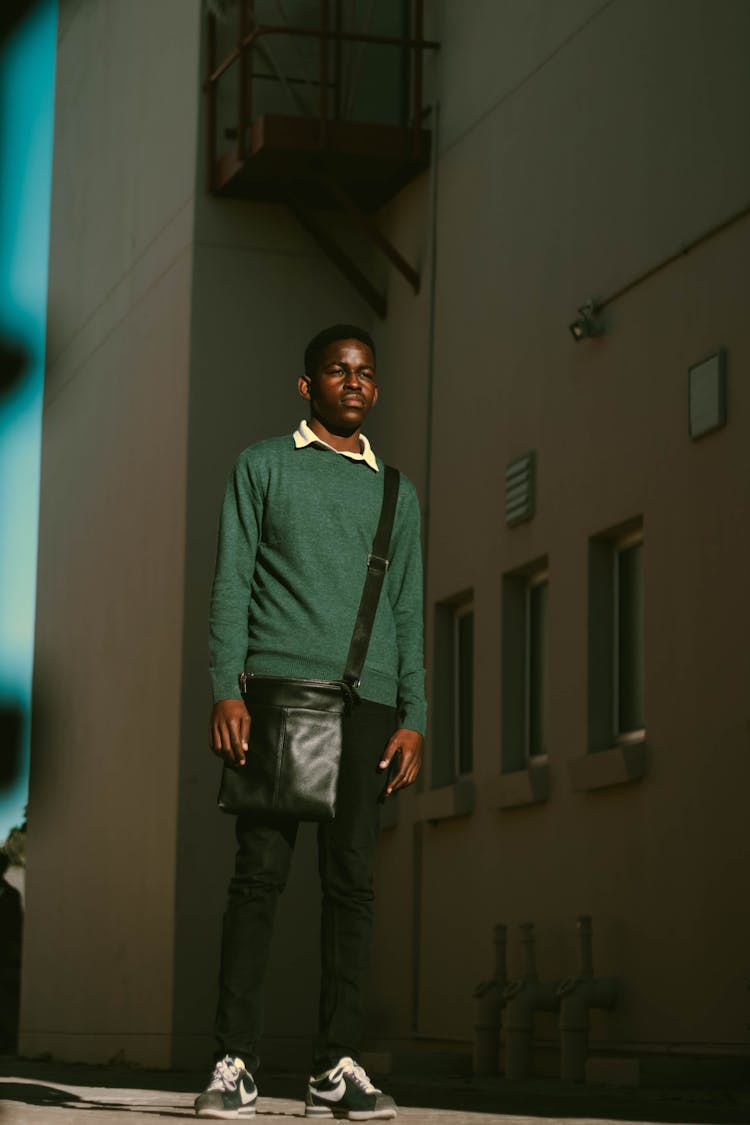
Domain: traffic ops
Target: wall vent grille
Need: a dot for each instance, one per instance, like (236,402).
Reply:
(520,488)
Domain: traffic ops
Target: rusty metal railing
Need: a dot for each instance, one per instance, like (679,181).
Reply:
(250,36)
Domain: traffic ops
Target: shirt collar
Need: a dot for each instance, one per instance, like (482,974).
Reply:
(304,436)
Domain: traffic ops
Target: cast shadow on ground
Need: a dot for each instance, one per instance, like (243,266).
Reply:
(549,1098)
(55,1097)
(539,1099)
(52,1097)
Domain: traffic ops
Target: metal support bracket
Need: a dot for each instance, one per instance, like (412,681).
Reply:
(373,232)
(336,252)
(338,255)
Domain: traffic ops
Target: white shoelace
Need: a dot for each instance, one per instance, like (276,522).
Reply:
(226,1074)
(358,1075)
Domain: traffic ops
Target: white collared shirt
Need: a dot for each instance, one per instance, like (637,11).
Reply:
(304,436)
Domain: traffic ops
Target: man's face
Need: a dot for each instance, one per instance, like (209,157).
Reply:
(343,390)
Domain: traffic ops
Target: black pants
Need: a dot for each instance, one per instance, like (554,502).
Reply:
(346,856)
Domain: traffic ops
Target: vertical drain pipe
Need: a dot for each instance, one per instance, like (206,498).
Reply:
(522,998)
(488,1003)
(577,996)
(429,411)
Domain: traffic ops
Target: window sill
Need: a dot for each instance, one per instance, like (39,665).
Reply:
(447,802)
(529,786)
(604,768)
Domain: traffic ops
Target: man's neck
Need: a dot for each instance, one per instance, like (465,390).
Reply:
(345,443)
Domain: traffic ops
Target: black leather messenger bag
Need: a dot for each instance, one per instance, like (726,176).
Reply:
(292,762)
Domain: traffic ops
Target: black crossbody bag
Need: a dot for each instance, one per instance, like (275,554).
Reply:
(296,726)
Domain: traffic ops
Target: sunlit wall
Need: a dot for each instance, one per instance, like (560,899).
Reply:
(27,70)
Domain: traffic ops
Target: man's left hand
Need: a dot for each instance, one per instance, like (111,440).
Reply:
(410,743)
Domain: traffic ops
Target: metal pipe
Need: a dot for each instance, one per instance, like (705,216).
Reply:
(583,925)
(337,63)
(323,73)
(245,53)
(578,995)
(522,998)
(527,952)
(417,107)
(431,330)
(211,93)
(488,997)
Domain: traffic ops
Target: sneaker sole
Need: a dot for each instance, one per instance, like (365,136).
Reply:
(226,1114)
(350,1114)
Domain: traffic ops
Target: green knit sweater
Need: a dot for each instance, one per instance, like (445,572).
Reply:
(296,528)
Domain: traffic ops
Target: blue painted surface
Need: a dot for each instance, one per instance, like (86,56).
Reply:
(27,74)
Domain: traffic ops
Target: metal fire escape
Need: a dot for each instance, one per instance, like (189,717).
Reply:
(319,114)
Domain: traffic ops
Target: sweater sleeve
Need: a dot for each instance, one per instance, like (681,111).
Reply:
(406,596)
(239,535)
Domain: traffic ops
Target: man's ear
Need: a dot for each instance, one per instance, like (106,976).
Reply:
(303,386)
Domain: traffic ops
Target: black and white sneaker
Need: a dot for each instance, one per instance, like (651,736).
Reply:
(346,1091)
(230,1093)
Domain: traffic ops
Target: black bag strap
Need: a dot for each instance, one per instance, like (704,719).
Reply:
(377,565)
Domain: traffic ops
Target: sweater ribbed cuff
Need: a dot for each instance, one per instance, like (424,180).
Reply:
(414,717)
(225,685)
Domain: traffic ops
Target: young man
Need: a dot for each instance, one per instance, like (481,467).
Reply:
(297,525)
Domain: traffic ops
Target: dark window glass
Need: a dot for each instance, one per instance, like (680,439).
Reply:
(536,703)
(629,610)
(464,689)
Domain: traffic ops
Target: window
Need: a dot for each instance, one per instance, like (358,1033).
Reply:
(535,703)
(628,639)
(525,667)
(616,638)
(463,687)
(452,710)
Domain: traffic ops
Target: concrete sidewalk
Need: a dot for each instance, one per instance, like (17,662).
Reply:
(45,1093)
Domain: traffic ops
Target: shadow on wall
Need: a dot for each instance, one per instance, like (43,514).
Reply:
(11,732)
(11,936)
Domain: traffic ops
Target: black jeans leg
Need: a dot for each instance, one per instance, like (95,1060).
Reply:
(261,868)
(346,859)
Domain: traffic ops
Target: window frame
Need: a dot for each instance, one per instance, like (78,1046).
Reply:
(462,610)
(515,695)
(444,719)
(620,544)
(534,580)
(604,673)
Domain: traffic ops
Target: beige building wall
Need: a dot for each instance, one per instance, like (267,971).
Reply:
(177,327)
(579,144)
(103,796)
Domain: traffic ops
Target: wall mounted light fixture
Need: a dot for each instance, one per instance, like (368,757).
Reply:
(587,323)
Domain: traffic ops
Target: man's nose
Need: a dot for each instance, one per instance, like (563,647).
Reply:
(353,379)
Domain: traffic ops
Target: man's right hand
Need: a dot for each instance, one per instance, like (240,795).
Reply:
(229,731)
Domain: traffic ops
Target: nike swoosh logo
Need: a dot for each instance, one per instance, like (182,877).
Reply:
(334,1095)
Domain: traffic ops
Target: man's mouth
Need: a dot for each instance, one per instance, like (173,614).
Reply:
(353,400)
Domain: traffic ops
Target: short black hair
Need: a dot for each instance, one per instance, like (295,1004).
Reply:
(318,344)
